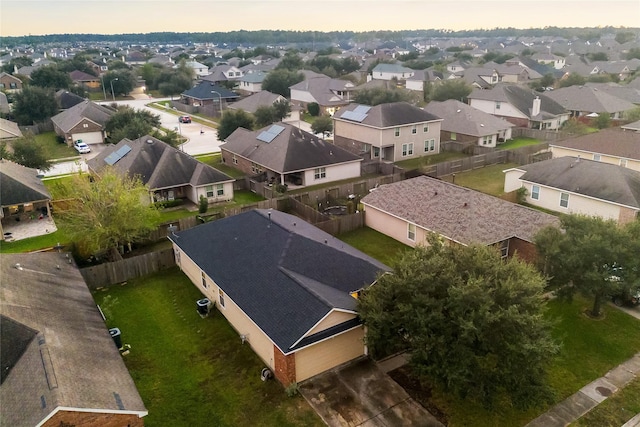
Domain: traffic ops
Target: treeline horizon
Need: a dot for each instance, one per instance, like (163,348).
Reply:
(310,37)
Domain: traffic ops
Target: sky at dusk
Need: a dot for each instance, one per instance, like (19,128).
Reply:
(35,17)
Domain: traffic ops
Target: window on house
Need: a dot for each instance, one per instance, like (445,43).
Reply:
(414,129)
(320,173)
(535,192)
(204,280)
(497,105)
(504,249)
(425,129)
(2,86)
(411,232)
(209,190)
(486,140)
(234,159)
(220,189)
(564,200)
(376,152)
(429,145)
(623,163)
(596,157)
(397,131)
(85,125)
(221,297)
(407,149)
(454,136)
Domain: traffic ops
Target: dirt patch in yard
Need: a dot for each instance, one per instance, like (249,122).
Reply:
(419,392)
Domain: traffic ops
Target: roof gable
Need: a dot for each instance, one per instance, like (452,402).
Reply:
(461,118)
(613,142)
(388,115)
(20,184)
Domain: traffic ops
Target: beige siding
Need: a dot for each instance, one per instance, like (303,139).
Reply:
(333,173)
(614,160)
(327,354)
(550,199)
(258,341)
(393,227)
(512,180)
(335,318)
(505,109)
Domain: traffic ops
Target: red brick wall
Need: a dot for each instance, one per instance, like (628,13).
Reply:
(92,419)
(525,251)
(446,136)
(285,366)
(524,123)
(349,144)
(243,164)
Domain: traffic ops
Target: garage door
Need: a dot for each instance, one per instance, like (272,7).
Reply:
(89,137)
(328,354)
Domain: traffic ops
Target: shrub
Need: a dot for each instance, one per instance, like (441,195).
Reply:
(168,203)
(313,109)
(204,204)
(292,389)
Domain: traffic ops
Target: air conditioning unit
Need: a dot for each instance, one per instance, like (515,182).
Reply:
(204,307)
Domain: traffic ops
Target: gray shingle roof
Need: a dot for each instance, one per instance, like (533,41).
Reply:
(594,179)
(521,99)
(292,150)
(85,109)
(390,115)
(460,214)
(20,184)
(72,361)
(159,165)
(9,129)
(589,99)
(284,273)
(204,91)
(261,99)
(322,90)
(613,142)
(463,119)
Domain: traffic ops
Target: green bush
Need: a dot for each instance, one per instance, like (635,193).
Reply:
(292,389)
(168,203)
(313,109)
(204,204)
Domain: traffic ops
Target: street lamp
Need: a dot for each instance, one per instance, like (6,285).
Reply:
(104,92)
(219,101)
(112,94)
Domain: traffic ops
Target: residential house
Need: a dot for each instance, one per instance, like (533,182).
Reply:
(282,153)
(200,70)
(574,185)
(513,72)
(60,366)
(422,77)
(9,130)
(99,65)
(385,71)
(251,82)
(626,91)
(9,83)
(479,77)
(261,99)
(330,94)
(409,210)
(85,80)
(4,103)
(463,123)
(66,99)
(521,106)
(589,102)
(134,58)
(208,94)
(84,121)
(223,73)
(616,146)
(284,285)
(457,66)
(387,132)
(556,61)
(22,194)
(168,172)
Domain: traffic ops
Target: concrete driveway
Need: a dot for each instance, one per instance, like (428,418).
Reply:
(360,394)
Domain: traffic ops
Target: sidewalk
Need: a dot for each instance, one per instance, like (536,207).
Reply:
(589,396)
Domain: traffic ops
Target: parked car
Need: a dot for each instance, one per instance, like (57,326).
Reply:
(629,297)
(82,147)
(184,119)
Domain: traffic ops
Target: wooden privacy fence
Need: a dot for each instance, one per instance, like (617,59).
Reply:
(111,273)
(342,224)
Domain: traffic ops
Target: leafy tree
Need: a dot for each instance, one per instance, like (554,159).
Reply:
(130,123)
(109,212)
(233,120)
(323,124)
(418,64)
(264,116)
(547,80)
(291,62)
(19,62)
(123,81)
(29,152)
(633,53)
(279,81)
(432,50)
(50,77)
(472,322)
(603,121)
(313,108)
(625,36)
(281,108)
(585,254)
(598,56)
(527,52)
(170,137)
(574,126)
(451,89)
(572,79)
(34,104)
(377,96)
(632,115)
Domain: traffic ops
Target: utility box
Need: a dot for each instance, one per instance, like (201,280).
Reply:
(117,337)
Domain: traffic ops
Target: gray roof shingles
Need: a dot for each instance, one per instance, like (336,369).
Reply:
(86,109)
(521,99)
(72,362)
(590,99)
(390,114)
(457,213)
(464,119)
(284,273)
(20,184)
(613,142)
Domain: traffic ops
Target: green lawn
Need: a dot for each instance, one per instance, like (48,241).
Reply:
(35,243)
(489,179)
(192,371)
(522,141)
(215,161)
(375,244)
(55,149)
(616,410)
(590,348)
(419,162)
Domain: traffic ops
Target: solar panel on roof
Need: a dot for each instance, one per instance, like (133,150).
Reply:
(270,134)
(362,109)
(122,151)
(113,158)
(352,115)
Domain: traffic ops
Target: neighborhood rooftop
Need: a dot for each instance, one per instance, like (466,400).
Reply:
(615,142)
(457,213)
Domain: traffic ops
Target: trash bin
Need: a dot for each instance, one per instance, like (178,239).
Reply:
(117,337)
